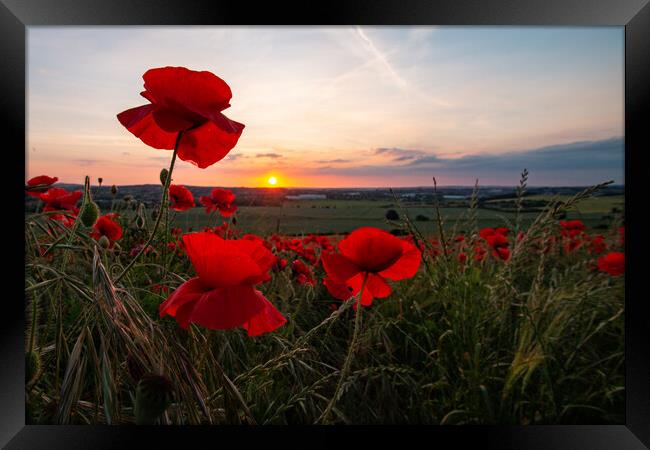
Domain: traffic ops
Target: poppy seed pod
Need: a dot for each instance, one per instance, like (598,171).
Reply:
(104,242)
(89,209)
(153,395)
(100,180)
(32,366)
(163,176)
(89,213)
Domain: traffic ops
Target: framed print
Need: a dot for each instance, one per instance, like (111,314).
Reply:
(394,214)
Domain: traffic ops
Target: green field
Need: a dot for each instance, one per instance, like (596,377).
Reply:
(341,216)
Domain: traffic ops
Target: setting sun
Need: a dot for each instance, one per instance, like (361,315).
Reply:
(272,181)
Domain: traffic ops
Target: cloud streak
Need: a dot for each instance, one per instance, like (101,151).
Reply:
(381,57)
(581,162)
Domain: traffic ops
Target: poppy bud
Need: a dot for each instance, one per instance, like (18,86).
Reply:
(114,190)
(89,213)
(32,366)
(163,176)
(104,242)
(100,180)
(140,218)
(153,395)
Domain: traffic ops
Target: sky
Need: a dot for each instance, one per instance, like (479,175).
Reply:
(341,106)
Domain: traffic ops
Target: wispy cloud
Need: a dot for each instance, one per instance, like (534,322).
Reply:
(269,155)
(400,154)
(381,58)
(334,161)
(87,162)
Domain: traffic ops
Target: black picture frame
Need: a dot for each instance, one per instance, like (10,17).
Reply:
(634,15)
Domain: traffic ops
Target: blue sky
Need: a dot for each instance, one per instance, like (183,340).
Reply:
(342,106)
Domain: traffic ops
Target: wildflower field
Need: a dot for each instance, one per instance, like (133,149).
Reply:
(134,319)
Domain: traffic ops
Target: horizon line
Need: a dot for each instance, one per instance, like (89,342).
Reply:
(351,187)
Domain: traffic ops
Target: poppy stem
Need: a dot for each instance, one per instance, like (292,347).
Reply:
(348,360)
(163,206)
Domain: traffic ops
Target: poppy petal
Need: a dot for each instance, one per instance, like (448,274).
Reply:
(355,283)
(220,263)
(406,266)
(339,267)
(338,289)
(227,211)
(141,123)
(372,249)
(208,143)
(168,120)
(200,92)
(378,286)
(188,292)
(266,320)
(228,307)
(257,251)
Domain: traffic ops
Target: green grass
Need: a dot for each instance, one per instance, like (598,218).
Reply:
(537,340)
(341,216)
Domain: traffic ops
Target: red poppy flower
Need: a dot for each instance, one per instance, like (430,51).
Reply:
(598,245)
(43,182)
(302,273)
(222,295)
(572,228)
(373,253)
(502,252)
(486,232)
(613,263)
(479,253)
(67,221)
(279,264)
(498,242)
(106,225)
(189,101)
(221,200)
(181,198)
(58,199)
(255,238)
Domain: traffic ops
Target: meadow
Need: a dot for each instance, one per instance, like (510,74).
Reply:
(532,338)
(343,216)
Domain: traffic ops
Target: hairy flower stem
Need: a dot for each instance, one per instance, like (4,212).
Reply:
(32,332)
(348,360)
(163,206)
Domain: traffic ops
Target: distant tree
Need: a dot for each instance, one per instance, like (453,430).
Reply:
(391,214)
(421,218)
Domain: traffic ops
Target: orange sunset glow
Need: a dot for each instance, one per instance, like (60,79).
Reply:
(341,106)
